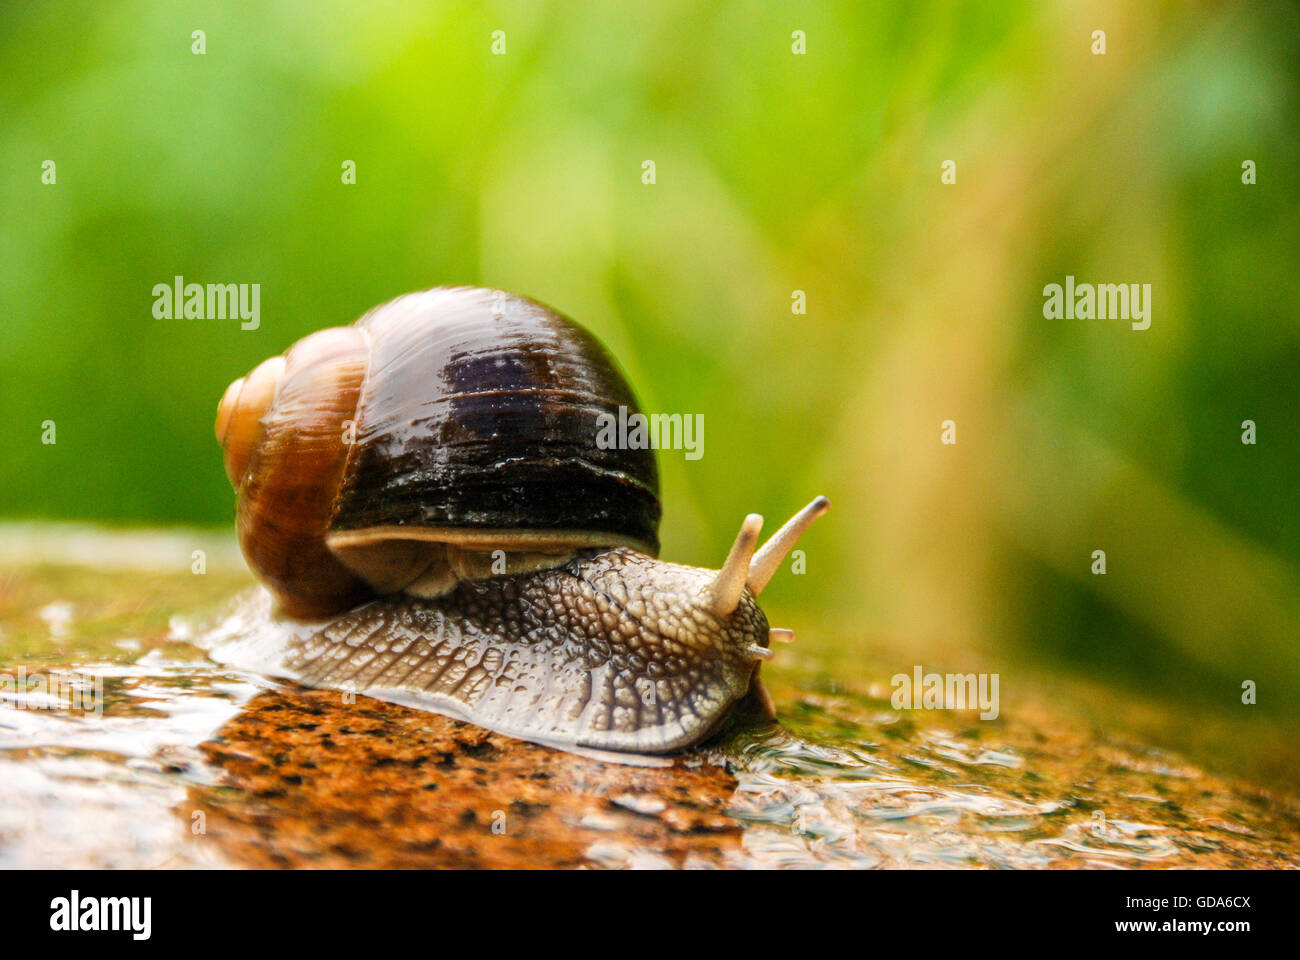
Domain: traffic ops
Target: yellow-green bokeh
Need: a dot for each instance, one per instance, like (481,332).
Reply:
(775,173)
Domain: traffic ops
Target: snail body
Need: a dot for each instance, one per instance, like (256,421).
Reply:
(424,498)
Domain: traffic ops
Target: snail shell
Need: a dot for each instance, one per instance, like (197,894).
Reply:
(390,455)
(379,466)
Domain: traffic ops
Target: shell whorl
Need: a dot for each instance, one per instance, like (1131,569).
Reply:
(288,487)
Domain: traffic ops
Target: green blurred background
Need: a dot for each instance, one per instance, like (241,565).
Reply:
(775,173)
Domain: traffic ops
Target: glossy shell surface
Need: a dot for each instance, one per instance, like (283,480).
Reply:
(481,409)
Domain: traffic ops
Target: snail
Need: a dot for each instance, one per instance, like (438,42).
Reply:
(423,496)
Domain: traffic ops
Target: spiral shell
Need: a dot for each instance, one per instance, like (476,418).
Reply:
(397,454)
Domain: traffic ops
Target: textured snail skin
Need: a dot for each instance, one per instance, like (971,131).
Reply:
(610,652)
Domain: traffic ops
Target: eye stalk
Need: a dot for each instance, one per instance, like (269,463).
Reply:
(723,594)
(766,561)
(745,568)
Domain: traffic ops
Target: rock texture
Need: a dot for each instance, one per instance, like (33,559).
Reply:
(322,783)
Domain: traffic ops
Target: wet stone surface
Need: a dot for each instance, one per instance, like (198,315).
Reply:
(311,781)
(188,764)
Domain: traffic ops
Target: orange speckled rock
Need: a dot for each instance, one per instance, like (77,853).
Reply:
(323,783)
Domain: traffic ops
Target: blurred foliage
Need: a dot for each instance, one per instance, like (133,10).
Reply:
(775,172)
